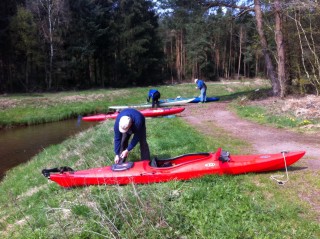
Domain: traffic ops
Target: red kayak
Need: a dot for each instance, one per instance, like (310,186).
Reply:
(153,112)
(183,167)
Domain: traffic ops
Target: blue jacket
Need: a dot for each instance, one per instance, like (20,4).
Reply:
(201,84)
(151,93)
(138,128)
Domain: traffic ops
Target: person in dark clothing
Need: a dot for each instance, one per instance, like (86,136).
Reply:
(154,95)
(130,122)
(203,89)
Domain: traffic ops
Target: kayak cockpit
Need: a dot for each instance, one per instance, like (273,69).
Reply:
(182,159)
(220,155)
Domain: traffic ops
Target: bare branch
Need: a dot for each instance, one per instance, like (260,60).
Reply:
(219,3)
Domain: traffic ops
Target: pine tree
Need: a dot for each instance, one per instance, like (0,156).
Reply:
(138,56)
(24,40)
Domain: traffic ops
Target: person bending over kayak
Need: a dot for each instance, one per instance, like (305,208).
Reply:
(203,89)
(155,96)
(130,122)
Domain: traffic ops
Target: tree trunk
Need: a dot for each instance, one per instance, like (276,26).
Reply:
(263,41)
(49,83)
(229,69)
(178,55)
(27,74)
(171,58)
(282,76)
(183,56)
(240,52)
(256,70)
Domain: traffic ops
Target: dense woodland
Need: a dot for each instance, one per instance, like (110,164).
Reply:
(48,45)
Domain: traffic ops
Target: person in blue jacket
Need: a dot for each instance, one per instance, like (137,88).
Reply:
(130,122)
(154,95)
(203,89)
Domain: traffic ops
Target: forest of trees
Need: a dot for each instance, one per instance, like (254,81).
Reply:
(50,45)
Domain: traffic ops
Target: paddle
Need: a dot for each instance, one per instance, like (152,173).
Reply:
(79,120)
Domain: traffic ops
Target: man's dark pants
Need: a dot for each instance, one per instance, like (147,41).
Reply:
(144,147)
(155,99)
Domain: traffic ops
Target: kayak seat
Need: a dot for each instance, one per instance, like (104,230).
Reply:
(153,163)
(156,163)
(165,164)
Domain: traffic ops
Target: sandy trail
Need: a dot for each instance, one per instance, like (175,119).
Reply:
(264,139)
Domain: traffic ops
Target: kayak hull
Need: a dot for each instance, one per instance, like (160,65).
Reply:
(167,102)
(208,99)
(198,99)
(162,103)
(184,167)
(153,112)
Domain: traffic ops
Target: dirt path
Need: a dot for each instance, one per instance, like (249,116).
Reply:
(263,139)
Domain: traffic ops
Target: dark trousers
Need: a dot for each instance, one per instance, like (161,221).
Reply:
(144,147)
(155,99)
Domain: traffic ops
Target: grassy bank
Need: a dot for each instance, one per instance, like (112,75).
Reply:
(29,109)
(264,116)
(244,206)
(298,113)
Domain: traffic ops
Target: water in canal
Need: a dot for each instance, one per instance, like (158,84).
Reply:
(18,145)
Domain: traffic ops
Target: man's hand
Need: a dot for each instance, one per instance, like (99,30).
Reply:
(124,154)
(116,159)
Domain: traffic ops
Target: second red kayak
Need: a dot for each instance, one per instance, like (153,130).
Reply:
(155,112)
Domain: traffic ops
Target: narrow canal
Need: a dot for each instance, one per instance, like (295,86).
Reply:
(18,145)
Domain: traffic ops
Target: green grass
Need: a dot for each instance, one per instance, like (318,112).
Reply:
(263,116)
(244,206)
(29,109)
(209,207)
(41,108)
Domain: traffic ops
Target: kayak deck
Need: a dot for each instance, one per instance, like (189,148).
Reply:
(183,167)
(153,112)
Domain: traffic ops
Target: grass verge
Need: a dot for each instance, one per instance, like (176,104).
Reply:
(29,109)
(262,116)
(244,206)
